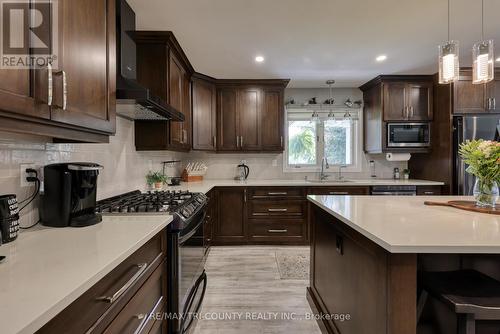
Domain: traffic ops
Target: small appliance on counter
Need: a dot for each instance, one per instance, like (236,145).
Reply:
(9,218)
(242,171)
(194,172)
(69,197)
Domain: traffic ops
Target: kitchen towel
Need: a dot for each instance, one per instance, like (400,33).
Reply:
(398,156)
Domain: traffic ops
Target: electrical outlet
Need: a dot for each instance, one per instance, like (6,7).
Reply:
(23,174)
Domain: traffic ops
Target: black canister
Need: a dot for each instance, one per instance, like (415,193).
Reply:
(9,228)
(8,206)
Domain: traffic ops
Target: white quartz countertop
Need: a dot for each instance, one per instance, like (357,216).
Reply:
(46,269)
(405,225)
(206,185)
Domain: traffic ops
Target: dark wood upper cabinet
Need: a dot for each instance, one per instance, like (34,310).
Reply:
(86,70)
(420,101)
(470,98)
(250,115)
(204,114)
(227,120)
(163,67)
(395,101)
(405,101)
(88,101)
(395,98)
(272,118)
(249,109)
(180,98)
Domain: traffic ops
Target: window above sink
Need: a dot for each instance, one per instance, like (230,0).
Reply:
(336,138)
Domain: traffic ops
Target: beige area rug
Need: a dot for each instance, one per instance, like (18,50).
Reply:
(293,265)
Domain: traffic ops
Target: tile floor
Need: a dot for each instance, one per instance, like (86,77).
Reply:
(244,282)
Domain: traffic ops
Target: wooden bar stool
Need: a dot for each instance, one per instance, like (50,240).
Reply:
(470,294)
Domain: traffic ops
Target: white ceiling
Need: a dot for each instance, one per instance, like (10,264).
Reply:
(310,41)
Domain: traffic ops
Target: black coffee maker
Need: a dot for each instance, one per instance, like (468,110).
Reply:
(69,196)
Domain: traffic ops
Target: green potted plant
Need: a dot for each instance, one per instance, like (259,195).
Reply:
(483,160)
(406,174)
(156,179)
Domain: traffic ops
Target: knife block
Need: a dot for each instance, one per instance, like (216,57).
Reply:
(191,178)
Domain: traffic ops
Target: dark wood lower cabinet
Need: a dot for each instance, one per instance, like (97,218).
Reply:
(278,232)
(147,293)
(339,191)
(270,215)
(230,227)
(356,280)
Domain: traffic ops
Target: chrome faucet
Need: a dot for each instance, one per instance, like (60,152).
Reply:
(324,163)
(341,178)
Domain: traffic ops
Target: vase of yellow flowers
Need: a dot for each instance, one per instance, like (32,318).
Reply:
(483,160)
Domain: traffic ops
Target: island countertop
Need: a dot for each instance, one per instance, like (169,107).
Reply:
(403,224)
(46,269)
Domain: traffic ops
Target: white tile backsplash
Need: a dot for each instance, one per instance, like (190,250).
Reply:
(125,168)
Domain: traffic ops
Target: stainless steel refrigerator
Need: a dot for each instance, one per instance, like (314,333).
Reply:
(471,127)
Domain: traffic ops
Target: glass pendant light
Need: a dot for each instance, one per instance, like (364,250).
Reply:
(449,67)
(483,58)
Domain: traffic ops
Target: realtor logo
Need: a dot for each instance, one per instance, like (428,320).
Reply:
(28,34)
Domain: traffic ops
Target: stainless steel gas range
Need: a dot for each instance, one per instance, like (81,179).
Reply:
(186,249)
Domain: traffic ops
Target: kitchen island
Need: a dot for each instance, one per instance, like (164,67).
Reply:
(365,252)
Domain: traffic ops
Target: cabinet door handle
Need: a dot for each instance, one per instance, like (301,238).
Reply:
(241,141)
(281,141)
(411,111)
(277,193)
(245,195)
(237,141)
(277,231)
(339,193)
(277,210)
(494,101)
(429,192)
(50,85)
(146,317)
(65,90)
(215,142)
(111,299)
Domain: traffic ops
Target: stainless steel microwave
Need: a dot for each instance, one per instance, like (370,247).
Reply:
(408,135)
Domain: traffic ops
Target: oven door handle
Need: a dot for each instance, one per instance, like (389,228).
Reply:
(189,301)
(184,238)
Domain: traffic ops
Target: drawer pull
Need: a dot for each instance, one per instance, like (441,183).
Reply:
(277,193)
(339,193)
(146,317)
(111,299)
(429,192)
(277,210)
(277,231)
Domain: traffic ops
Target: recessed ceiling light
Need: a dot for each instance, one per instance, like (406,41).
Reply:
(259,59)
(381,58)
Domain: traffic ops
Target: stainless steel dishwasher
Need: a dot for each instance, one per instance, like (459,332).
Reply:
(396,190)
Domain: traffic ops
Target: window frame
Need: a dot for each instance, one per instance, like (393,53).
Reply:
(357,139)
